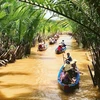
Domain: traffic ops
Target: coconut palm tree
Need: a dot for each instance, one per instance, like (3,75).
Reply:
(85,15)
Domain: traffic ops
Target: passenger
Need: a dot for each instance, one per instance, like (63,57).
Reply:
(60,47)
(55,37)
(74,69)
(62,74)
(50,39)
(65,76)
(63,43)
(68,59)
(74,66)
(40,45)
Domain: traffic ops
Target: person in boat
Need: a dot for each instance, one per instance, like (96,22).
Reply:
(42,44)
(63,43)
(50,39)
(74,71)
(68,59)
(60,47)
(55,37)
(75,68)
(66,79)
(65,76)
(62,74)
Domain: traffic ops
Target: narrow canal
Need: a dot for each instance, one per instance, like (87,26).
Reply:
(35,77)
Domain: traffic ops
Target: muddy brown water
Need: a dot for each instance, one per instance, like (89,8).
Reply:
(35,77)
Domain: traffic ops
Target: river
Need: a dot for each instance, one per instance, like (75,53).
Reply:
(35,77)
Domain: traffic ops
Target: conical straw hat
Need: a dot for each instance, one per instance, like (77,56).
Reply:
(73,61)
(67,67)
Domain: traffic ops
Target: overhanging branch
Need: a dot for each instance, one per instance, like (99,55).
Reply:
(44,7)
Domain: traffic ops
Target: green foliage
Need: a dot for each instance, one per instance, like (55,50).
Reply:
(19,20)
(77,11)
(81,14)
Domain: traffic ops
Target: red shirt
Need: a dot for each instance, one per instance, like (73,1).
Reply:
(59,48)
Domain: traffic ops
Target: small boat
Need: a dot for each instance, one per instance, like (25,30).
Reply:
(52,42)
(56,36)
(59,51)
(68,87)
(42,47)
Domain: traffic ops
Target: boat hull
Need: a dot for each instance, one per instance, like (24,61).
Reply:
(42,49)
(69,87)
(52,42)
(60,51)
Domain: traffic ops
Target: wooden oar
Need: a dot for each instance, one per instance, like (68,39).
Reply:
(63,58)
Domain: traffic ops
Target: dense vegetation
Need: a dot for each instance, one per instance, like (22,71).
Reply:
(22,22)
(21,25)
(84,18)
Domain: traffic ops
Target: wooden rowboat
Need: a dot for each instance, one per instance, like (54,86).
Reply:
(60,51)
(52,42)
(42,47)
(68,87)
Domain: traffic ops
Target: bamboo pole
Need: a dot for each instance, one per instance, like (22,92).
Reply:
(92,77)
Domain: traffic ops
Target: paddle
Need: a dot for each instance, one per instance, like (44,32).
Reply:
(63,58)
